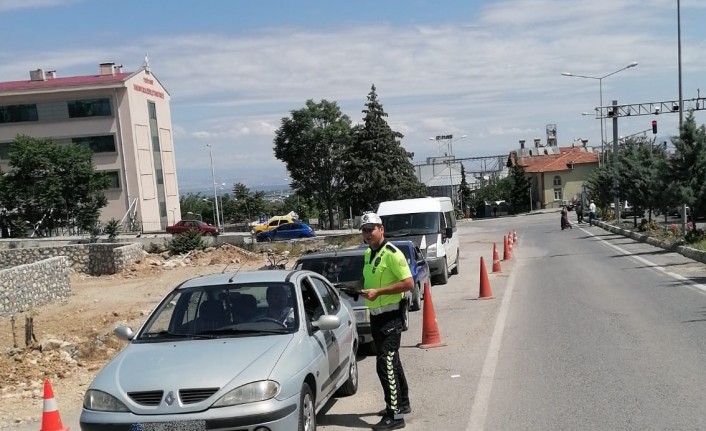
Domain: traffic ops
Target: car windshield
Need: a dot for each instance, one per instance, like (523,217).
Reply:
(337,269)
(223,311)
(410,224)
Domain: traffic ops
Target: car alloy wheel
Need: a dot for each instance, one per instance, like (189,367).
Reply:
(307,412)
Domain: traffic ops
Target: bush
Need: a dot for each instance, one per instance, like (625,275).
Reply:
(695,235)
(649,226)
(112,229)
(186,242)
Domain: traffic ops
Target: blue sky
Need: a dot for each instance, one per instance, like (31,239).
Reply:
(490,70)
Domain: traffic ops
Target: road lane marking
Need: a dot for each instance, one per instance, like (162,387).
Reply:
(652,265)
(479,410)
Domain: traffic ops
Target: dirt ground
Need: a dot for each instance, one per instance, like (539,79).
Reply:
(74,337)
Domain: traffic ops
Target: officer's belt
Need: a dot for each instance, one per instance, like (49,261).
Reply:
(385,309)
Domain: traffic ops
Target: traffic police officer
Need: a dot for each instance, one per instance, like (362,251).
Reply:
(386,278)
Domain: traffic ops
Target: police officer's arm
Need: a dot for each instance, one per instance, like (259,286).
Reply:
(398,287)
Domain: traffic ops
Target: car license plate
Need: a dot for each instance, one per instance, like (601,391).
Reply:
(170,426)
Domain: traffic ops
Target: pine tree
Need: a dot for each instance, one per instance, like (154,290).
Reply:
(377,167)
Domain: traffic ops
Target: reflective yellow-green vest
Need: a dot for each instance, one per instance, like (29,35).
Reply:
(386,267)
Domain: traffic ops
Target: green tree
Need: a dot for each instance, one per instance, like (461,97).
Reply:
(465,191)
(50,186)
(687,166)
(519,189)
(640,174)
(377,167)
(311,143)
(247,205)
(499,190)
(599,184)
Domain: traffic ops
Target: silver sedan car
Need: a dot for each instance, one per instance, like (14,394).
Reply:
(253,351)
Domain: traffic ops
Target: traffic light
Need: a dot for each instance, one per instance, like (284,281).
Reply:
(654,127)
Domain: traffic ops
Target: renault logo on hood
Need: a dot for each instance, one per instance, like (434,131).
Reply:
(170,398)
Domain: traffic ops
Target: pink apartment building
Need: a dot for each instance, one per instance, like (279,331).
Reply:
(124,117)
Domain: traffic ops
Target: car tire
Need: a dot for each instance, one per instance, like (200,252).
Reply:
(267,239)
(416,299)
(443,278)
(351,386)
(455,270)
(307,409)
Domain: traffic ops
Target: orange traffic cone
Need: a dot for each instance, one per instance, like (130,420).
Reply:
(514,236)
(509,241)
(51,419)
(485,291)
(496,260)
(430,328)
(506,249)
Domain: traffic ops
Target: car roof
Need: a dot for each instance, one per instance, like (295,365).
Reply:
(354,251)
(242,277)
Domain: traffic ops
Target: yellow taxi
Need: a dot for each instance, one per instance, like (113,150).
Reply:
(272,223)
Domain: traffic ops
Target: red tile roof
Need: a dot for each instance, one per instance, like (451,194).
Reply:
(71,81)
(555,162)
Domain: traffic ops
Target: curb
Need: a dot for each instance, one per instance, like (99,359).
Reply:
(685,251)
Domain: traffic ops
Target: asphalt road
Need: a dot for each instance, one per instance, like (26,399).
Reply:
(586,330)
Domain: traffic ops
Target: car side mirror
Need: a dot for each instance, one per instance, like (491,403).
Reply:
(449,232)
(124,332)
(327,323)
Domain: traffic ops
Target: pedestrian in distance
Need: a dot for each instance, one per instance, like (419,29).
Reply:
(579,212)
(386,278)
(565,223)
(591,213)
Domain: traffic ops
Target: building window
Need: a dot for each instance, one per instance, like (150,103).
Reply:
(18,113)
(90,108)
(159,175)
(114,179)
(162,209)
(557,194)
(152,109)
(97,144)
(557,181)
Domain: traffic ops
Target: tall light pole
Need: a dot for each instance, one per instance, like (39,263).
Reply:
(681,100)
(215,191)
(448,140)
(600,88)
(223,215)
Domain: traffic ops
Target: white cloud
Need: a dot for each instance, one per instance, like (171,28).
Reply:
(495,77)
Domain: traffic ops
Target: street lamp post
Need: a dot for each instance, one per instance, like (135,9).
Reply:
(449,139)
(600,88)
(215,191)
(223,215)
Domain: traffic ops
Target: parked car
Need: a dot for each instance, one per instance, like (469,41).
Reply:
(210,357)
(272,223)
(344,268)
(286,231)
(184,226)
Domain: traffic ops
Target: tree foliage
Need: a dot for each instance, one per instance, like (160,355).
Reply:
(686,171)
(311,143)
(52,186)
(377,168)
(519,189)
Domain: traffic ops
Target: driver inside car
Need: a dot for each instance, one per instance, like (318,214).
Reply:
(279,307)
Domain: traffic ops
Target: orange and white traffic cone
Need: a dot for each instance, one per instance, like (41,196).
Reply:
(51,419)
(506,249)
(430,328)
(514,236)
(496,260)
(485,291)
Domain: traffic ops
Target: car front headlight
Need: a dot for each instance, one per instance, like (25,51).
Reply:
(431,251)
(250,393)
(102,402)
(362,315)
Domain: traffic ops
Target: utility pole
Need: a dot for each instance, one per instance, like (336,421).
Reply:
(616,169)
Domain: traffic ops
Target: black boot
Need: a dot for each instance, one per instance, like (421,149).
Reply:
(389,423)
(405,410)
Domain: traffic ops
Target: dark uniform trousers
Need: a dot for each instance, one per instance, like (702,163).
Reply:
(386,329)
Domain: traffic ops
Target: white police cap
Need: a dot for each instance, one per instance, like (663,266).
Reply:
(370,220)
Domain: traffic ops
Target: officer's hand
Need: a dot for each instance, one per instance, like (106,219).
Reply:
(370,294)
